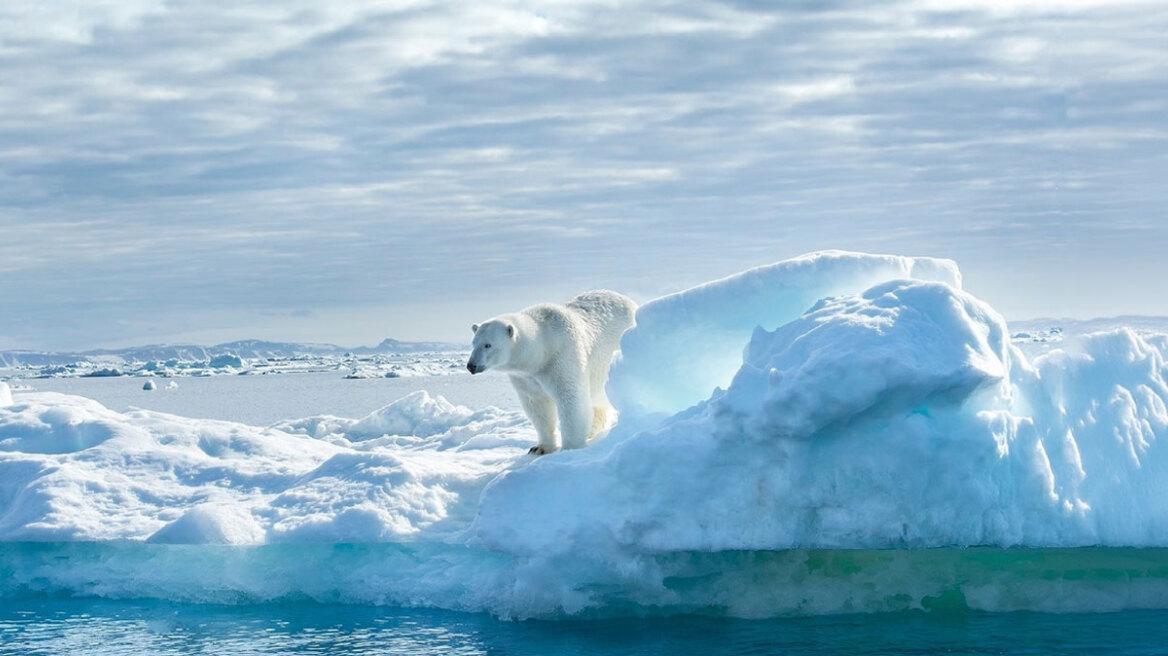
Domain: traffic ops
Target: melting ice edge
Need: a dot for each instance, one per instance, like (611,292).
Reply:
(745,584)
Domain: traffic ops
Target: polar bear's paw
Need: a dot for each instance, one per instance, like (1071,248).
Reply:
(540,450)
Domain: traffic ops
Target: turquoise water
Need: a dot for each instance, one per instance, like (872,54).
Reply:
(743,584)
(135,598)
(98,627)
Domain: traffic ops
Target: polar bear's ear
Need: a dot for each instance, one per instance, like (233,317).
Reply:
(474,328)
(510,330)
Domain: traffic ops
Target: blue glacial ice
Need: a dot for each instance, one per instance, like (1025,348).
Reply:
(855,433)
(687,343)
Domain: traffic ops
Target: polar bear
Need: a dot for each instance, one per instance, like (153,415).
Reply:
(557,357)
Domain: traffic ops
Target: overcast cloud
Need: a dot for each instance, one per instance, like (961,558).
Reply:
(216,170)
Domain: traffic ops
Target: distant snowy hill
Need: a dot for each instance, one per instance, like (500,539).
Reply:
(254,348)
(251,349)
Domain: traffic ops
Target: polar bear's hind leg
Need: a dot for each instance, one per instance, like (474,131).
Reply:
(575,414)
(601,415)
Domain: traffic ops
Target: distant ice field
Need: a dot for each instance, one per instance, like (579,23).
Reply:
(263,400)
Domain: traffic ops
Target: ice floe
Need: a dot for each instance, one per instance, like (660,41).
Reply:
(838,401)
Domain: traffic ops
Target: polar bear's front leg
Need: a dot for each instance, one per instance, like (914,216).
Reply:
(542,413)
(575,413)
(540,409)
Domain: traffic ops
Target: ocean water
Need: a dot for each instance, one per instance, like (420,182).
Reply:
(263,400)
(68,598)
(108,628)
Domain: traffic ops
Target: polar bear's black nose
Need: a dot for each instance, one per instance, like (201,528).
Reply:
(470,367)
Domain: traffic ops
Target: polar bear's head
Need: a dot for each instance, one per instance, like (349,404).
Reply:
(491,345)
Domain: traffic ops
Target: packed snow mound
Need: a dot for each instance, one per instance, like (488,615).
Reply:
(61,424)
(5,394)
(71,469)
(417,414)
(686,344)
(892,349)
(211,523)
(415,420)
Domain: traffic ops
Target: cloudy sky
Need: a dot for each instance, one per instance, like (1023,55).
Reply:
(346,171)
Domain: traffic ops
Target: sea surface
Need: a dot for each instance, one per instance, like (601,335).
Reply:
(89,626)
(263,400)
(49,619)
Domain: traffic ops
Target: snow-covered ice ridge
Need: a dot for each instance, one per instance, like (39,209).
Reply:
(391,358)
(868,438)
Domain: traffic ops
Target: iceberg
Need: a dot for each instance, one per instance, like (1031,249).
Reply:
(861,435)
(226,361)
(687,343)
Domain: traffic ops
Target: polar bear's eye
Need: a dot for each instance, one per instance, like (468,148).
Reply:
(486,346)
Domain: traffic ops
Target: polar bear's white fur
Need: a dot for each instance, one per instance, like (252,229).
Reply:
(558,358)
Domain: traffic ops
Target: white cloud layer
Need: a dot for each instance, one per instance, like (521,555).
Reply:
(162,164)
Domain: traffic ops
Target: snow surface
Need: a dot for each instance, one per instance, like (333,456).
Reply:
(899,415)
(71,469)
